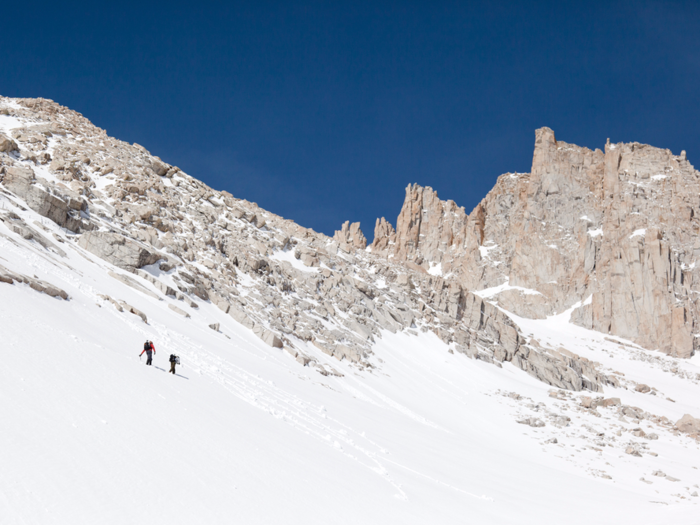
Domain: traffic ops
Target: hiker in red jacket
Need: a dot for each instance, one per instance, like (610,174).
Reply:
(148,348)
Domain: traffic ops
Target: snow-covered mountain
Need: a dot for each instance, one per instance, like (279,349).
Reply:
(323,381)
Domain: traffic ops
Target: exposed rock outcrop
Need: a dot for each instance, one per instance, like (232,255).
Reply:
(384,236)
(350,237)
(21,228)
(178,310)
(268,336)
(133,310)
(133,283)
(7,145)
(426,228)
(62,207)
(614,232)
(118,250)
(688,424)
(8,277)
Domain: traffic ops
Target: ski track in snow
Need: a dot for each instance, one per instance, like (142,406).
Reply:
(305,417)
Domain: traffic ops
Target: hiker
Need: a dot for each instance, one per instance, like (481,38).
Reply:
(174,360)
(149,349)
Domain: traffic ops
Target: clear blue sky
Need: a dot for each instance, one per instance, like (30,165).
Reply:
(324,111)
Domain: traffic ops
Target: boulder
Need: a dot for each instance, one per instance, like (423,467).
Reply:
(532,422)
(240,316)
(688,424)
(268,336)
(6,276)
(113,301)
(48,289)
(345,352)
(178,310)
(59,208)
(161,286)
(18,180)
(323,347)
(7,145)
(118,250)
(633,412)
(302,359)
(159,167)
(133,283)
(134,310)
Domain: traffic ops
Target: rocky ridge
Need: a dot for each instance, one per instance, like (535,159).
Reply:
(201,248)
(286,283)
(612,234)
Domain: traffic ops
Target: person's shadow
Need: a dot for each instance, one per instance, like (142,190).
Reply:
(178,375)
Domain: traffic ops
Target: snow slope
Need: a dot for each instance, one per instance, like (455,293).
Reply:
(244,434)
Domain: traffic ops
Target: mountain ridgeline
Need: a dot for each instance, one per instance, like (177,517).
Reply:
(613,235)
(609,235)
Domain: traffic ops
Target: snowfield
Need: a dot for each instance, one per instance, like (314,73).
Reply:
(244,434)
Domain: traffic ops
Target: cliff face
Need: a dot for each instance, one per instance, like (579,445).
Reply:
(611,234)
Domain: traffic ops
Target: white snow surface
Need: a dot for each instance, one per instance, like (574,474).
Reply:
(8,123)
(288,256)
(495,290)
(435,269)
(484,250)
(245,434)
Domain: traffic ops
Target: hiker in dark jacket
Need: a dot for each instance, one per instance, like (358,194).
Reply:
(174,360)
(149,349)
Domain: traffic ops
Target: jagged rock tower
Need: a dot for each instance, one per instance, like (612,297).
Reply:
(612,234)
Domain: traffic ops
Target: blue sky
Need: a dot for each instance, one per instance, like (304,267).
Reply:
(324,111)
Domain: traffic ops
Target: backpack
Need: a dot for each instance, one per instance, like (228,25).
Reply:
(146,345)
(174,359)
